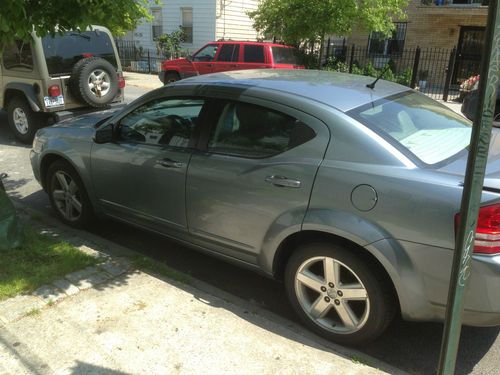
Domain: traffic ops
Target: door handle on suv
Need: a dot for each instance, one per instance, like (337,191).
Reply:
(169,163)
(282,181)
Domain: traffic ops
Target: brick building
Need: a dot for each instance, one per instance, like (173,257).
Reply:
(438,24)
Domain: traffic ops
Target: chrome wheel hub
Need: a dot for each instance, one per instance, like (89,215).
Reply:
(21,121)
(332,295)
(99,83)
(66,196)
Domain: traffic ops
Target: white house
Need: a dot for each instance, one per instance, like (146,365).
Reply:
(202,20)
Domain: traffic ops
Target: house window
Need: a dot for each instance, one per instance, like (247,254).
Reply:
(187,24)
(157,27)
(379,44)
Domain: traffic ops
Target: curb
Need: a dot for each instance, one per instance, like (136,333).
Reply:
(115,253)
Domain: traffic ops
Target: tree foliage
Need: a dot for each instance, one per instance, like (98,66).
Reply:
(294,21)
(18,18)
(169,45)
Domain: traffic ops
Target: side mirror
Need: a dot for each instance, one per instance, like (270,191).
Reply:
(104,134)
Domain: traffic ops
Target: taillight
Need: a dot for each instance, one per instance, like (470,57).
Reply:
(54,90)
(487,239)
(121,81)
(87,55)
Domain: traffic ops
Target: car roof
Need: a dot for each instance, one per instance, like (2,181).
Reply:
(339,90)
(251,43)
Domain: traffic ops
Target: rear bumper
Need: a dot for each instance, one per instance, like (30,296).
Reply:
(421,275)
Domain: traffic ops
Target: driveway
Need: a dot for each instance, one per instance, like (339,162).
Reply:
(413,347)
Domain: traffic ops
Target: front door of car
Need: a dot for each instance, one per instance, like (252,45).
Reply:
(203,60)
(141,176)
(228,58)
(255,178)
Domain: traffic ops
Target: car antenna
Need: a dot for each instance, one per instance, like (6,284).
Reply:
(372,85)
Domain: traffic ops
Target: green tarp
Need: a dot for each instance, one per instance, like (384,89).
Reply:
(10,227)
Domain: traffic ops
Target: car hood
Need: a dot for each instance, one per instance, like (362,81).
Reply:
(492,175)
(87,120)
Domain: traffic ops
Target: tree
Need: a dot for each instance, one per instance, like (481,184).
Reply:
(18,18)
(296,21)
(169,45)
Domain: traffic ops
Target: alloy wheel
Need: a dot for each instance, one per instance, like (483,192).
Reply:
(332,295)
(20,121)
(66,196)
(99,83)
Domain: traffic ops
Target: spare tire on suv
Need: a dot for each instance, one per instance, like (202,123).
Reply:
(94,81)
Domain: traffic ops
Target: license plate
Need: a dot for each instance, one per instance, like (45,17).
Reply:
(51,101)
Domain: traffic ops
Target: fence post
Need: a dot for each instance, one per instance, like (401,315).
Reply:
(351,61)
(149,63)
(449,74)
(414,72)
(328,49)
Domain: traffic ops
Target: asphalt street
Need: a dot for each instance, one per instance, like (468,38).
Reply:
(413,347)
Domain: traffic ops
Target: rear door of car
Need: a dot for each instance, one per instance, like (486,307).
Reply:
(140,177)
(228,57)
(254,175)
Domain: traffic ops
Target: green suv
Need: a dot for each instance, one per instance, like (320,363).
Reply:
(58,76)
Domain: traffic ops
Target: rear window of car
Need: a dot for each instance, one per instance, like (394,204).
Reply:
(417,124)
(62,52)
(284,55)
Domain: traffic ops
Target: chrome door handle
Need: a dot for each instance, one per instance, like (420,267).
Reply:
(169,163)
(282,181)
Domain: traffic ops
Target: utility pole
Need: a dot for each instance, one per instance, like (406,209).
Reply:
(471,197)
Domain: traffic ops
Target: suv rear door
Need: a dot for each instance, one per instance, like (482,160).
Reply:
(255,56)
(256,175)
(228,57)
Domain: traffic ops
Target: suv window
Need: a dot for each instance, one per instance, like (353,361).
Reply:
(166,122)
(253,54)
(62,52)
(18,56)
(252,131)
(284,55)
(206,54)
(229,52)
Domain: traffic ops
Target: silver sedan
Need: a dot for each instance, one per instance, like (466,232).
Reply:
(349,194)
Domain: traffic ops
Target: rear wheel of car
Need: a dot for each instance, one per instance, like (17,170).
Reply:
(67,195)
(94,81)
(23,121)
(171,77)
(337,294)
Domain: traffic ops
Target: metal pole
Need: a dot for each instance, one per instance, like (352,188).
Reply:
(352,58)
(449,74)
(471,197)
(414,72)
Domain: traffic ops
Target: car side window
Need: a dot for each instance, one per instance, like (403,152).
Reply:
(253,131)
(253,54)
(18,56)
(164,122)
(229,53)
(206,54)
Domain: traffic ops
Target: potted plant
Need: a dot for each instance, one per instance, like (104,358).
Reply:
(422,79)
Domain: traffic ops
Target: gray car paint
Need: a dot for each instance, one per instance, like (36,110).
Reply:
(410,230)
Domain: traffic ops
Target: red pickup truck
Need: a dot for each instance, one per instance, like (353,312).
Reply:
(230,55)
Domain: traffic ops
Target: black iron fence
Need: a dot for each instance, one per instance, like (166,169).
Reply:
(428,70)
(137,59)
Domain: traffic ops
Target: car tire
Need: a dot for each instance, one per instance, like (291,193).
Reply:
(171,77)
(23,121)
(68,196)
(94,81)
(352,305)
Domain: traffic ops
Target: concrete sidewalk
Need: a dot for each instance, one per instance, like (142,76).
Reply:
(145,81)
(134,322)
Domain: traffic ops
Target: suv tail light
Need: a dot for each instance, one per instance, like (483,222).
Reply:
(487,239)
(121,81)
(54,90)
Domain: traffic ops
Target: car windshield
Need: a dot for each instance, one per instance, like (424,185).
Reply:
(284,55)
(62,52)
(427,129)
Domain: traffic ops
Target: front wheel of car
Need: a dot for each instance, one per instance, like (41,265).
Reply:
(68,196)
(23,121)
(171,77)
(338,294)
